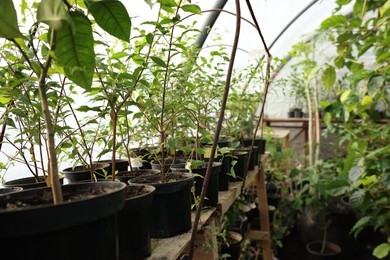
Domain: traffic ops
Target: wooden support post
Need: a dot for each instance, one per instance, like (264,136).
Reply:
(263,213)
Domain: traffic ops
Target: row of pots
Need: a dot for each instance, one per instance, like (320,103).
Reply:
(168,205)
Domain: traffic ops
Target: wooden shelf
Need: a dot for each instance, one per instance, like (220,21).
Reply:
(172,248)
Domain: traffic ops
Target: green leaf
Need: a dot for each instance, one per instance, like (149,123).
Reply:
(337,187)
(149,38)
(8,20)
(112,17)
(334,21)
(355,173)
(4,99)
(382,250)
(10,122)
(53,13)
(329,77)
(119,55)
(167,3)
(159,61)
(195,9)
(149,3)
(360,224)
(18,112)
(344,97)
(357,198)
(87,109)
(367,100)
(75,51)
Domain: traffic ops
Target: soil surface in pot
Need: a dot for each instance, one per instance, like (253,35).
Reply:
(44,197)
(135,191)
(169,177)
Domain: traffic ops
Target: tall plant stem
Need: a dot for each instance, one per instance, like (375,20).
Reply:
(310,127)
(53,163)
(162,128)
(206,179)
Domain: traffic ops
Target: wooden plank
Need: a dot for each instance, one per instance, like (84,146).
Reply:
(263,213)
(169,248)
(226,198)
(250,177)
(259,235)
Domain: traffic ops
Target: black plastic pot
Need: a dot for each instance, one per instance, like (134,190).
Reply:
(223,143)
(234,248)
(171,209)
(134,223)
(29,182)
(298,113)
(223,181)
(121,165)
(240,166)
(127,175)
(259,143)
(240,226)
(7,190)
(254,158)
(211,198)
(77,229)
(332,251)
(81,173)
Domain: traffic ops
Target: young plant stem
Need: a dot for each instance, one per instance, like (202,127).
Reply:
(206,179)
(323,246)
(310,126)
(317,123)
(53,163)
(164,91)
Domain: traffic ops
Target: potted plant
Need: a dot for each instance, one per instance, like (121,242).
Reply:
(64,27)
(159,110)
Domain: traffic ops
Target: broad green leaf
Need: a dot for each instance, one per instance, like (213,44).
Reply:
(18,112)
(357,198)
(119,55)
(8,20)
(75,51)
(334,21)
(384,8)
(53,13)
(149,38)
(171,143)
(337,187)
(112,17)
(10,122)
(159,61)
(355,173)
(382,250)
(367,100)
(4,99)
(195,9)
(382,151)
(88,109)
(167,3)
(329,77)
(360,224)
(344,97)
(78,3)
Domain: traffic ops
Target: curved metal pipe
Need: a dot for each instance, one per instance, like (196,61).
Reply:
(209,23)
